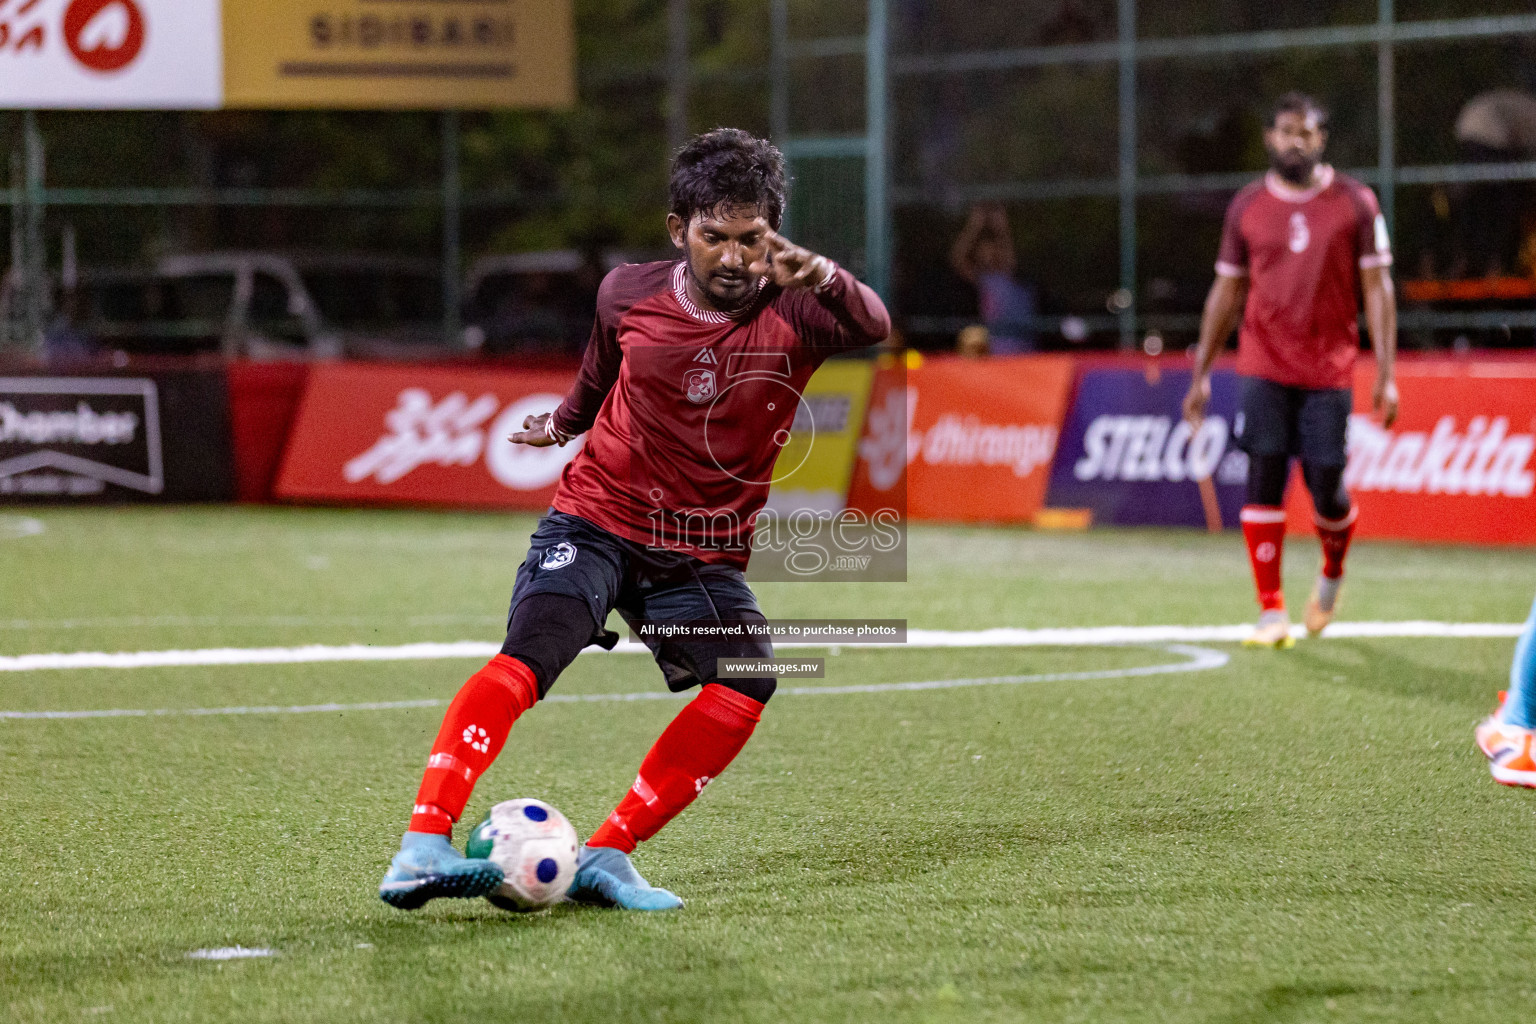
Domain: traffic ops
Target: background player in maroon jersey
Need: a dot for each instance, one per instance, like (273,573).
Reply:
(1297,249)
(686,394)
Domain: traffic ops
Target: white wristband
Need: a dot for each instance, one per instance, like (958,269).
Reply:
(831,273)
(554,435)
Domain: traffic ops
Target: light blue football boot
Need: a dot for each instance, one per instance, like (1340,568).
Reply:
(606,878)
(428,867)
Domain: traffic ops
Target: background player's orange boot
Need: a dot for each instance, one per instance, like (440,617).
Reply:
(1321,604)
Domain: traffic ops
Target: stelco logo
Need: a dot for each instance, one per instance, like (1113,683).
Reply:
(104,36)
(1151,449)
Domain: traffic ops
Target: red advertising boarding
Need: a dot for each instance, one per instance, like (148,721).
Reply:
(970,440)
(1459,465)
(423,435)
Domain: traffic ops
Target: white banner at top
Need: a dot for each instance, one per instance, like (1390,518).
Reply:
(111,54)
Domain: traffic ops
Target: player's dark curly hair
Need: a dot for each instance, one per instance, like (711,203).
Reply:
(1298,103)
(724,168)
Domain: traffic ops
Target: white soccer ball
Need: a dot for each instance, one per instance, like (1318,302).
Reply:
(534,846)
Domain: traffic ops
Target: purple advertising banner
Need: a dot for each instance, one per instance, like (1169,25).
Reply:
(1127,454)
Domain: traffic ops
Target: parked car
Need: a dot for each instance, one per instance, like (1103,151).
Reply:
(324,305)
(537,303)
(141,312)
(265,305)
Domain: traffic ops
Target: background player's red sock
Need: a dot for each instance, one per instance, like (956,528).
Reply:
(473,733)
(1264,530)
(1336,535)
(704,738)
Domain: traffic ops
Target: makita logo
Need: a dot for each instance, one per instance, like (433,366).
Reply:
(1151,449)
(83,425)
(1485,459)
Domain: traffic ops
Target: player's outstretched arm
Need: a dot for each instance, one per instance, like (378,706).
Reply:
(596,378)
(1223,309)
(856,307)
(1381,321)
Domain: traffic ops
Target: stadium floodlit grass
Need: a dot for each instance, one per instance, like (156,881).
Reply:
(1305,835)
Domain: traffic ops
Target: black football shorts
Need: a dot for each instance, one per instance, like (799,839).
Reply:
(1277,419)
(573,557)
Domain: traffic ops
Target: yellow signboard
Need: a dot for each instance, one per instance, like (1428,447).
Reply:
(398,54)
(814,467)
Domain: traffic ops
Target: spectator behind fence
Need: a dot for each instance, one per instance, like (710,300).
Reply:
(1498,126)
(983,255)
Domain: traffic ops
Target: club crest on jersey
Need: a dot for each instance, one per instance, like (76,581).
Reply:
(699,386)
(1301,235)
(559,556)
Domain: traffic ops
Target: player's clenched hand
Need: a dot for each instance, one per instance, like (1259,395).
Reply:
(1384,400)
(535,432)
(791,266)
(1196,399)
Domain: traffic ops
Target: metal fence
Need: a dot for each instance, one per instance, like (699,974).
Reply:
(888,67)
(841,89)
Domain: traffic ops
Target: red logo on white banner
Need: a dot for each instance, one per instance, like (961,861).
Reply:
(104,35)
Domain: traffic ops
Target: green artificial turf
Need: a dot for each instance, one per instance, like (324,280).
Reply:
(1297,836)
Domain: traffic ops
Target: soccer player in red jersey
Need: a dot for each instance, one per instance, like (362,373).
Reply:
(687,393)
(1297,249)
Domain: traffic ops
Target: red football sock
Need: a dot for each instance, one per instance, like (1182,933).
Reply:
(473,733)
(1264,530)
(1336,535)
(704,738)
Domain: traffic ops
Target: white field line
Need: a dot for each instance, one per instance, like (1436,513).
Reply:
(17,527)
(1096,636)
(231,953)
(1197,659)
(173,621)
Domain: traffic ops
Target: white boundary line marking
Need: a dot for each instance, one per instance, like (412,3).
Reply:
(171,621)
(249,656)
(17,527)
(1199,659)
(1096,636)
(231,953)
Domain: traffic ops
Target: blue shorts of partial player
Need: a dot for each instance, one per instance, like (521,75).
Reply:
(574,557)
(1307,423)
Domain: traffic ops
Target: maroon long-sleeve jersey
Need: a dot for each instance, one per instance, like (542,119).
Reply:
(686,409)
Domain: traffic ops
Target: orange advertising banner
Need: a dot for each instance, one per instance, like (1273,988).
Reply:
(423,435)
(1458,464)
(969,440)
